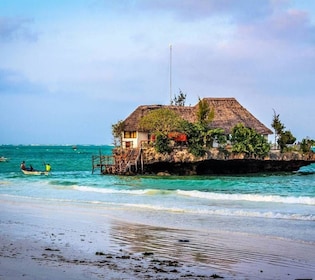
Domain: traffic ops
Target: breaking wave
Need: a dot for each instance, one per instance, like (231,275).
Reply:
(204,195)
(248,197)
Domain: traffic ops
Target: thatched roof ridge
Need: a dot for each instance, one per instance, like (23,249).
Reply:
(228,112)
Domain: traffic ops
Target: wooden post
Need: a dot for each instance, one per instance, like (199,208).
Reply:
(141,156)
(101,165)
(92,164)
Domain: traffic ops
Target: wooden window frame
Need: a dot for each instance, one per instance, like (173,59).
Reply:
(130,134)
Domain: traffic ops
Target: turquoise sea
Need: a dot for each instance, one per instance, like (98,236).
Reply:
(279,205)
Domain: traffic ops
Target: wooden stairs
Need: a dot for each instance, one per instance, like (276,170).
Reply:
(129,161)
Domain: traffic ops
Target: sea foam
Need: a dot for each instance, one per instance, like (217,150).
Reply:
(248,197)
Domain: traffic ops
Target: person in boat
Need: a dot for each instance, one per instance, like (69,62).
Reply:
(47,167)
(23,167)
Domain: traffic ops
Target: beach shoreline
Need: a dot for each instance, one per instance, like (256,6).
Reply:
(55,240)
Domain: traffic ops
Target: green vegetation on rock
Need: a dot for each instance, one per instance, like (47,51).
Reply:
(247,141)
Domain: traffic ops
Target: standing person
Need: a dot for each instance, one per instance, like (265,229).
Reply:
(47,167)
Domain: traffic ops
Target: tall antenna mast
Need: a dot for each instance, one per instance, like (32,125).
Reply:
(170,74)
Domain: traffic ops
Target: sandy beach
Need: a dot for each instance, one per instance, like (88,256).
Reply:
(66,241)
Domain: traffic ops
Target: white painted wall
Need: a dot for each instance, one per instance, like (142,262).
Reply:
(135,142)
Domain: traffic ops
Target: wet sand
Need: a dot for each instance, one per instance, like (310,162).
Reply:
(66,241)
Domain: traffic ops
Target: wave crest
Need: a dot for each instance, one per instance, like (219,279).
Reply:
(249,197)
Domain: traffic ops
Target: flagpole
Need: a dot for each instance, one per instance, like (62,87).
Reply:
(170,74)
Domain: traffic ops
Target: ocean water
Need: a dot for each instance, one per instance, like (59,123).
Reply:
(278,205)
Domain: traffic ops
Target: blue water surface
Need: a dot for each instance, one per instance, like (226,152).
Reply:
(260,203)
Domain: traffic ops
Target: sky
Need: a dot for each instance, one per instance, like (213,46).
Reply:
(70,69)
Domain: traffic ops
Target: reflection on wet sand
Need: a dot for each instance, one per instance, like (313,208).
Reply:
(233,252)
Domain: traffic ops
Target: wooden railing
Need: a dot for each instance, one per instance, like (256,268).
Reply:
(127,161)
(103,162)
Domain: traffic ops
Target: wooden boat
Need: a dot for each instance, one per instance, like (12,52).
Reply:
(34,172)
(3,159)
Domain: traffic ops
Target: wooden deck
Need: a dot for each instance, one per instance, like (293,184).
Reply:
(128,161)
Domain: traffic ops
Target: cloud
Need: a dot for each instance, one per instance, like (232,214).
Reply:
(111,57)
(16,29)
(288,26)
(13,82)
(199,9)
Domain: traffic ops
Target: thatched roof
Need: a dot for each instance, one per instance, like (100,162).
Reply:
(228,112)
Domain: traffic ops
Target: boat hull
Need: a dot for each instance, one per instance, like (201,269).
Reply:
(34,172)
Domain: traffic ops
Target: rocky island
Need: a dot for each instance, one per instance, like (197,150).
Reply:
(215,162)
(234,165)
(216,136)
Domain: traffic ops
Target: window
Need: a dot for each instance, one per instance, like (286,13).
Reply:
(129,144)
(130,134)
